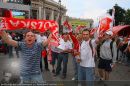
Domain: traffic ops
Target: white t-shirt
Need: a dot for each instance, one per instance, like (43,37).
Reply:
(128,42)
(68,45)
(59,48)
(43,38)
(38,37)
(65,45)
(87,60)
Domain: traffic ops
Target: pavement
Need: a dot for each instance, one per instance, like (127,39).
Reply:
(10,67)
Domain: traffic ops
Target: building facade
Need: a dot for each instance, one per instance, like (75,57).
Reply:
(39,9)
(48,10)
(75,22)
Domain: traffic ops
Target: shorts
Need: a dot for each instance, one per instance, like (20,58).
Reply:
(105,64)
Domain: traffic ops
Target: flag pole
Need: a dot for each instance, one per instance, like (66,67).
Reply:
(98,29)
(113,18)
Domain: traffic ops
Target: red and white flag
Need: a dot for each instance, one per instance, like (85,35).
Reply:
(105,23)
(67,25)
(80,27)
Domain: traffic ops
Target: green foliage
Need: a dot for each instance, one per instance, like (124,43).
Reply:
(119,15)
(127,17)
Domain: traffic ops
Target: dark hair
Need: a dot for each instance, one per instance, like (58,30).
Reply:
(64,33)
(27,32)
(86,30)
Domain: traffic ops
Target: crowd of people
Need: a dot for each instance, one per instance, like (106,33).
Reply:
(100,53)
(9,49)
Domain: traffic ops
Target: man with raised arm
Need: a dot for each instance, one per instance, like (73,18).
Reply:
(30,56)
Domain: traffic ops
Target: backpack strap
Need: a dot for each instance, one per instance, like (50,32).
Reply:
(90,44)
(111,46)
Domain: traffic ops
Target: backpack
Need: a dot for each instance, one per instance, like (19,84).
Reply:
(90,44)
(111,46)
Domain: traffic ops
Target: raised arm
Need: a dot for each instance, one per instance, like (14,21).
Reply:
(7,40)
(46,42)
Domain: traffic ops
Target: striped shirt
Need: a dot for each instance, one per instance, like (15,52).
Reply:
(30,58)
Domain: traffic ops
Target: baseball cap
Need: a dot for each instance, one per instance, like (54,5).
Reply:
(109,33)
(128,42)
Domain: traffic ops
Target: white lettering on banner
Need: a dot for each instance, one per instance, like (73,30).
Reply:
(24,24)
(41,25)
(47,25)
(15,24)
(54,24)
(27,24)
(33,25)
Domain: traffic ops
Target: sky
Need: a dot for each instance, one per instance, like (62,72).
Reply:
(91,9)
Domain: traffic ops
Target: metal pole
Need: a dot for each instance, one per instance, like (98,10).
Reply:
(43,9)
(60,28)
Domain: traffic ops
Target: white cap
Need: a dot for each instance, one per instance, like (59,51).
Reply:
(109,33)
(128,42)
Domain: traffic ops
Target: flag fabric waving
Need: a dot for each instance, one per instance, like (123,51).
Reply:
(104,25)
(67,25)
(80,27)
(73,38)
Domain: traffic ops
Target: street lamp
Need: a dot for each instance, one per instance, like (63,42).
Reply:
(44,17)
(60,27)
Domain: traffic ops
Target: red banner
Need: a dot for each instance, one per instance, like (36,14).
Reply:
(39,25)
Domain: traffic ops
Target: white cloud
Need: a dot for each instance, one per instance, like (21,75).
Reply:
(91,9)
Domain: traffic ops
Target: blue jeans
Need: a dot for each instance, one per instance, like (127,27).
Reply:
(86,74)
(54,57)
(62,57)
(32,79)
(17,52)
(76,65)
(10,48)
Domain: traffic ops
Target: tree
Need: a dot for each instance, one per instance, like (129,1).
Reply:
(127,17)
(119,14)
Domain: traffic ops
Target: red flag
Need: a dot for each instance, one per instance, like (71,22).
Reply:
(67,25)
(75,42)
(104,25)
(92,31)
(44,53)
(80,27)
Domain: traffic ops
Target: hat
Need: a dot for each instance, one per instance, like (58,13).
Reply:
(128,42)
(109,33)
